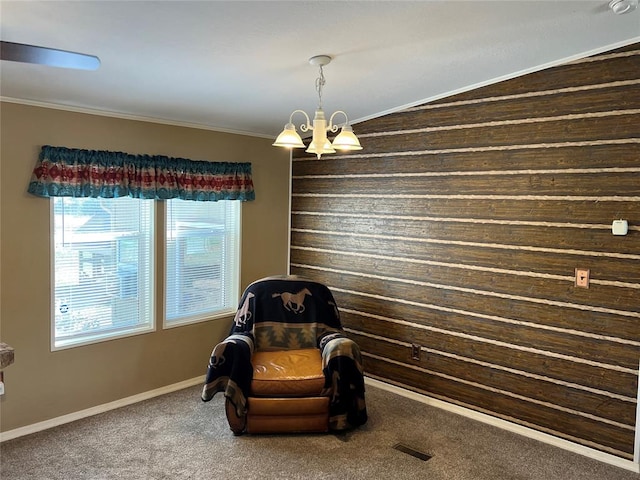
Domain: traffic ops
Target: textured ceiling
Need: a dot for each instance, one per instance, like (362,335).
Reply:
(243,66)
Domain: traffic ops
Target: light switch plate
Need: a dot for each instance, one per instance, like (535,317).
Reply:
(582,277)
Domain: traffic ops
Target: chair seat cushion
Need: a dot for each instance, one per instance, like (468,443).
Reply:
(287,373)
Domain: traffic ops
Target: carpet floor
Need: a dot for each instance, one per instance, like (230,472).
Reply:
(177,436)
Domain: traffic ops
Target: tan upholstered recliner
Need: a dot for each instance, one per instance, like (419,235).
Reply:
(287,392)
(287,365)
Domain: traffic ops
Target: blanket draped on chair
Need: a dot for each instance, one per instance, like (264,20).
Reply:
(283,313)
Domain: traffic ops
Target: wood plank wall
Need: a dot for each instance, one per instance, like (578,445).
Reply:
(459,228)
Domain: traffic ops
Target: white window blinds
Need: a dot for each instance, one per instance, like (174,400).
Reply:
(202,267)
(102,268)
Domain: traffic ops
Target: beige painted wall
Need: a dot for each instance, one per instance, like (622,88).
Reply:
(41,384)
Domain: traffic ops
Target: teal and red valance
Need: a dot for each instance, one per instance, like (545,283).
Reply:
(69,172)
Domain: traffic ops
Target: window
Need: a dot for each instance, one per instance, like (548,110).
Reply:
(102,269)
(103,242)
(202,271)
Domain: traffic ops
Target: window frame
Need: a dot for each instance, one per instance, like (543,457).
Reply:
(235,288)
(158,272)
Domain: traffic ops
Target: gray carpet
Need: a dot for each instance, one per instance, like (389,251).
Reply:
(176,436)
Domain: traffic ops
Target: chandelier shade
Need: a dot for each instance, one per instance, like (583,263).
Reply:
(289,138)
(346,140)
(326,148)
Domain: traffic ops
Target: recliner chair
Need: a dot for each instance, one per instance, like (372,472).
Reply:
(287,365)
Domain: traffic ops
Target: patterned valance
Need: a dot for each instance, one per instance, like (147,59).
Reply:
(69,172)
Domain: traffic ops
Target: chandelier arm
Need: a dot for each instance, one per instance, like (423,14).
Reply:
(305,127)
(334,127)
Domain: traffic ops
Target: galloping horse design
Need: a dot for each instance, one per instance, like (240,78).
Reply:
(293,302)
(243,314)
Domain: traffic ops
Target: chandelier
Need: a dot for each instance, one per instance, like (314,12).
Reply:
(345,140)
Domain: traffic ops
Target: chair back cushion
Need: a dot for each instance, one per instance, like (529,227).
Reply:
(287,313)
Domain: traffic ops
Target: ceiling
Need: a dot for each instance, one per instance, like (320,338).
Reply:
(241,66)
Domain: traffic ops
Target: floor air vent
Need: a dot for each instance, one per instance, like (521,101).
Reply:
(412,451)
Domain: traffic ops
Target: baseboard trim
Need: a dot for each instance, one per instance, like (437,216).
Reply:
(505,425)
(71,417)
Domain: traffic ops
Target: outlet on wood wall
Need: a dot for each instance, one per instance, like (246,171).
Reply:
(459,229)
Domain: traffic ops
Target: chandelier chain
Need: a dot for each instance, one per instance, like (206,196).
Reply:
(320,81)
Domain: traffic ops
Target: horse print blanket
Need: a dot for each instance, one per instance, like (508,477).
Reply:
(284,313)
